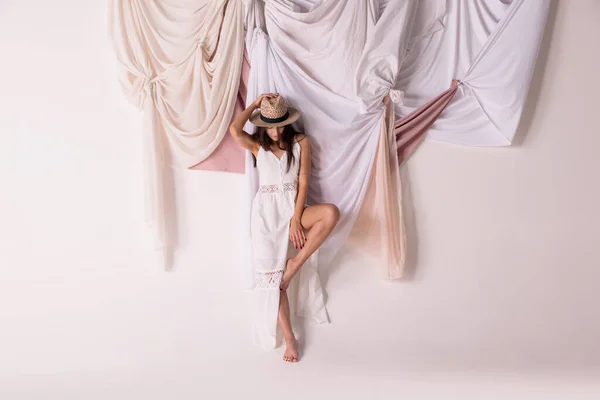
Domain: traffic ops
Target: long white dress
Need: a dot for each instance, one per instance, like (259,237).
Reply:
(272,209)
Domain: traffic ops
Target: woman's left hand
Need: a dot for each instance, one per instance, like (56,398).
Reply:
(297,235)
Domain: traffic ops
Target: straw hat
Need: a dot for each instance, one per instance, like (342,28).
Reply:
(274,112)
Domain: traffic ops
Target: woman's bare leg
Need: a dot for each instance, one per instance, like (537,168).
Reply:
(319,221)
(291,351)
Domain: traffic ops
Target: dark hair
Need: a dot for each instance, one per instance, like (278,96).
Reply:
(287,140)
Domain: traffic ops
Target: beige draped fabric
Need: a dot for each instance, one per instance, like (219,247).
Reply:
(379,229)
(180,62)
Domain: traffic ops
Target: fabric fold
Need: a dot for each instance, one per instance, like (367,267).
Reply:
(229,155)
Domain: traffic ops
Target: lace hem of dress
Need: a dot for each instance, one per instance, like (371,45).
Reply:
(268,279)
(287,187)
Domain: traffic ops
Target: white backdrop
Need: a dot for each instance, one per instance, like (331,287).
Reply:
(505,242)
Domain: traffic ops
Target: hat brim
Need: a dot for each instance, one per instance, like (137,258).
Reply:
(294,115)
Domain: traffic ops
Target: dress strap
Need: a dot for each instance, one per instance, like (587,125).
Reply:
(298,141)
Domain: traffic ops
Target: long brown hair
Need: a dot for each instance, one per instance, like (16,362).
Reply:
(287,140)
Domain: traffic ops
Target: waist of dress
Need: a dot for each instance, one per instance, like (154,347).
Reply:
(278,188)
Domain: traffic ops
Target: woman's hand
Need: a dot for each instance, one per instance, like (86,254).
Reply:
(257,102)
(297,235)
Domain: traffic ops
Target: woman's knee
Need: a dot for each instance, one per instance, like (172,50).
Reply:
(332,214)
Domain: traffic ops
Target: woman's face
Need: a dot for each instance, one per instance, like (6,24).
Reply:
(275,133)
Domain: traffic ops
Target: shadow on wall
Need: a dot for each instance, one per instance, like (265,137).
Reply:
(171,221)
(538,76)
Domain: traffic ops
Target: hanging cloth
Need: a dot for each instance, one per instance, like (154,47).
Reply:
(491,46)
(181,64)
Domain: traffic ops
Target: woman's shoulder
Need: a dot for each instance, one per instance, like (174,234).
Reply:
(301,137)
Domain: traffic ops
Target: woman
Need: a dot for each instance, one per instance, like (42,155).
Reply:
(280,215)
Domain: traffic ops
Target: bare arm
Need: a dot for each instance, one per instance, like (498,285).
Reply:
(236,128)
(297,233)
(303,176)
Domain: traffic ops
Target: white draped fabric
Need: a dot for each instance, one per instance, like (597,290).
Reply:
(335,60)
(489,45)
(180,62)
(310,52)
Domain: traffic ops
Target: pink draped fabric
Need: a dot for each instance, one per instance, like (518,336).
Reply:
(229,156)
(379,229)
(410,130)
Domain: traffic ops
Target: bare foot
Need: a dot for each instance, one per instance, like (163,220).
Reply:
(291,268)
(291,351)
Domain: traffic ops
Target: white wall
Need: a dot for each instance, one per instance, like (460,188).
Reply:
(506,242)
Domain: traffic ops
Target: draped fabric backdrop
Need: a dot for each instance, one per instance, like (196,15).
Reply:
(181,64)
(457,70)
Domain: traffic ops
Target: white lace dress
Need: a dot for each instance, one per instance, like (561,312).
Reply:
(272,209)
